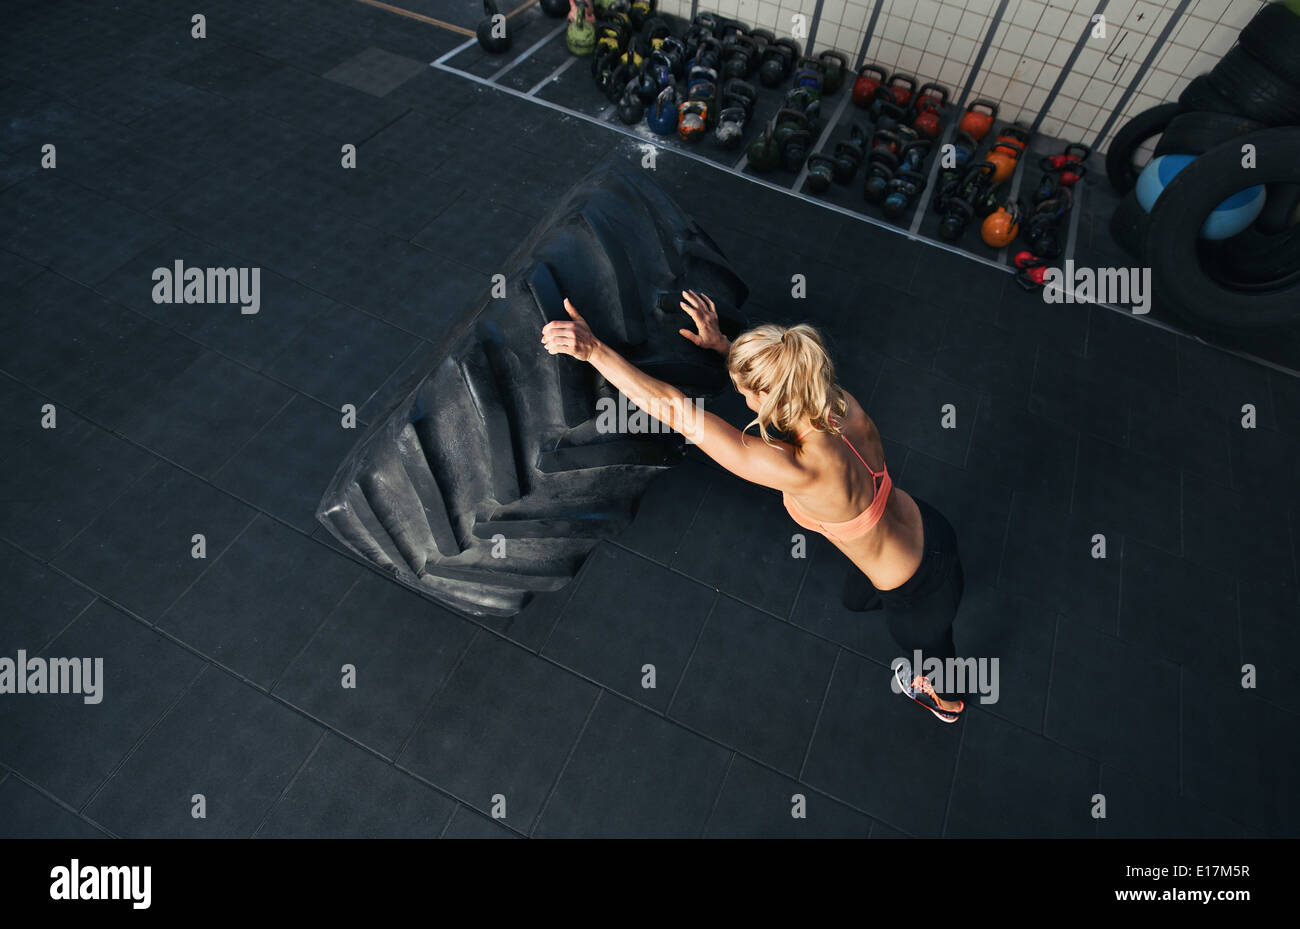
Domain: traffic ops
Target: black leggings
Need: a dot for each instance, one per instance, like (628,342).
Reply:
(920,612)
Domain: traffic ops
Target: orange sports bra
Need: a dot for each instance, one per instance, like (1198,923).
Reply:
(854,528)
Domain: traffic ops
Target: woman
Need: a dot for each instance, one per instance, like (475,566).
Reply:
(903,552)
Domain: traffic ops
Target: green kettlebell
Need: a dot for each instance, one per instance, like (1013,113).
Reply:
(580,36)
(764,153)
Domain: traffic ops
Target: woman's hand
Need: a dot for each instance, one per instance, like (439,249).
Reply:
(700,309)
(569,337)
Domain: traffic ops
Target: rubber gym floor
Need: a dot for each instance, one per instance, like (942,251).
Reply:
(1119,676)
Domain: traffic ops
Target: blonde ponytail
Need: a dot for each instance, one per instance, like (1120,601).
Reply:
(792,365)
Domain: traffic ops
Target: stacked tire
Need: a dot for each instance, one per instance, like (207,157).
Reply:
(1251,97)
(494,477)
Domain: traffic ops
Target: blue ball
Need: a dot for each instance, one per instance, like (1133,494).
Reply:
(1226,220)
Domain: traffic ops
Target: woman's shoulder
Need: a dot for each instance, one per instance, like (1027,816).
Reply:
(855,417)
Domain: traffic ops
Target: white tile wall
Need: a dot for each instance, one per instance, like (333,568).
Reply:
(938,40)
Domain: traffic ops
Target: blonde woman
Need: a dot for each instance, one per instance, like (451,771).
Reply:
(832,476)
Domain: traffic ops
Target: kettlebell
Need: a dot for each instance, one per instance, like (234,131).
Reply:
(879,174)
(744,93)
(795,149)
(580,36)
(493,32)
(1003,156)
(978,119)
(706,21)
(821,171)
(1002,226)
(778,59)
(763,154)
(913,154)
(902,86)
(809,74)
(555,8)
(731,125)
(849,154)
(1031,270)
(886,116)
(662,114)
(647,85)
(630,107)
(692,120)
(954,221)
(675,49)
(929,104)
(738,57)
(708,95)
(656,29)
(864,88)
(903,189)
(834,67)
(788,121)
(641,10)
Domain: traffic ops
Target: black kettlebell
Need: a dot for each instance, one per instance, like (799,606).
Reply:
(902,190)
(876,186)
(795,149)
(555,8)
(954,221)
(647,86)
(834,66)
(775,65)
(493,32)
(739,57)
(847,158)
(744,93)
(630,107)
(821,170)
(887,116)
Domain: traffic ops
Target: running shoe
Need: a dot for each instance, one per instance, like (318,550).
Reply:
(919,689)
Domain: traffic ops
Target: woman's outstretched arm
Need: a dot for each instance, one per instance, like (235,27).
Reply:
(756,461)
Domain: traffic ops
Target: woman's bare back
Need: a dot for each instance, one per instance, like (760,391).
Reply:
(890,552)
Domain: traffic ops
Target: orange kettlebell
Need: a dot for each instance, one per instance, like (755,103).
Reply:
(1003,156)
(1001,227)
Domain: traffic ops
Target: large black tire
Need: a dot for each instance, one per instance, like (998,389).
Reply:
(1255,259)
(1258,92)
(1273,37)
(502,440)
(1128,225)
(1181,280)
(1120,167)
(1201,96)
(1197,133)
(1281,209)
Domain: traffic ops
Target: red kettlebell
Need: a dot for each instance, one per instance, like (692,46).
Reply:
(978,119)
(1031,270)
(1069,164)
(864,88)
(930,101)
(902,86)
